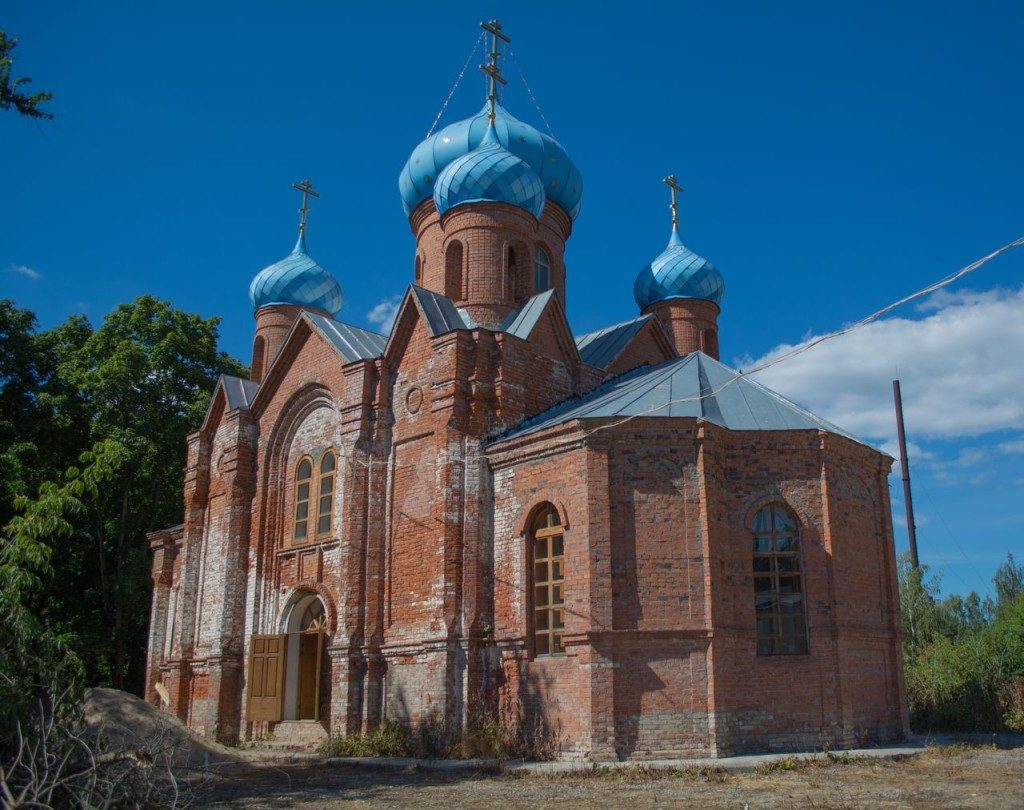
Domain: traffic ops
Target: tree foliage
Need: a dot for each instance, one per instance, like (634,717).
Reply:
(963,657)
(10,93)
(140,382)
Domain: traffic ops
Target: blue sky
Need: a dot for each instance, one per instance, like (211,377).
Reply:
(835,156)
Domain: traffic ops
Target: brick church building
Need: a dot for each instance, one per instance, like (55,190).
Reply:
(611,536)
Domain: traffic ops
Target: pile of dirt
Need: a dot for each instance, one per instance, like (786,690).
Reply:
(124,722)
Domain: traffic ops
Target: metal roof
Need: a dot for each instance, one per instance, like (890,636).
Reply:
(238,392)
(695,386)
(678,272)
(601,347)
(352,342)
(296,280)
(521,322)
(440,312)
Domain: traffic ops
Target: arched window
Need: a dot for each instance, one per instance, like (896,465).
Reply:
(303,479)
(419,270)
(510,273)
(325,508)
(778,586)
(453,270)
(541,270)
(548,567)
(313,617)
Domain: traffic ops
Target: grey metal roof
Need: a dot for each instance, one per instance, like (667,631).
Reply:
(352,342)
(238,392)
(695,386)
(601,347)
(521,322)
(440,312)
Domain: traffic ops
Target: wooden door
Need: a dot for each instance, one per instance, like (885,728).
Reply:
(266,678)
(310,649)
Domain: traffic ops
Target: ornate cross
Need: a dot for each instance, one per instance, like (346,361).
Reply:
(674,186)
(491,69)
(306,187)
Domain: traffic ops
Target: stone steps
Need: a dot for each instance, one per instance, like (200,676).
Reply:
(296,735)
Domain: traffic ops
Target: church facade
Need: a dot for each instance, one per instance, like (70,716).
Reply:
(612,537)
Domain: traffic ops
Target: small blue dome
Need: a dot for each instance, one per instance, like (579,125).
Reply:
(490,173)
(678,273)
(562,181)
(296,280)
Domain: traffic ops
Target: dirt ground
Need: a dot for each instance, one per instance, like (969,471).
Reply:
(956,776)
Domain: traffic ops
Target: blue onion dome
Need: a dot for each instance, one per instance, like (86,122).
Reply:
(296,280)
(490,173)
(678,273)
(562,182)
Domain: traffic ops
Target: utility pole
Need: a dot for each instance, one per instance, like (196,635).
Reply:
(907,500)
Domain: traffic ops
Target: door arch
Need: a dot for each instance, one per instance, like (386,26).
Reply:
(304,624)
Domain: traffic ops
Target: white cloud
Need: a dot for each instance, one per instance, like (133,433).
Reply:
(24,270)
(1013,446)
(960,370)
(383,315)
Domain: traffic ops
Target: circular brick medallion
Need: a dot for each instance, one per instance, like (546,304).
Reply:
(414,399)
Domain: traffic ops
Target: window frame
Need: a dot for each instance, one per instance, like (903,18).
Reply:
(332,474)
(541,259)
(296,501)
(545,528)
(772,564)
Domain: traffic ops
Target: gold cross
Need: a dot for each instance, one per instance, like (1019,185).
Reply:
(306,188)
(491,69)
(674,186)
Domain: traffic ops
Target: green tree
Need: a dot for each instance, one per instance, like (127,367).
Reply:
(1009,582)
(10,94)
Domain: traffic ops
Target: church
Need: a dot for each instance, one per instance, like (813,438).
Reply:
(611,537)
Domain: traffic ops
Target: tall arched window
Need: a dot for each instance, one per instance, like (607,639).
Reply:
(258,352)
(303,480)
(419,270)
(453,270)
(325,508)
(548,567)
(510,273)
(778,585)
(541,270)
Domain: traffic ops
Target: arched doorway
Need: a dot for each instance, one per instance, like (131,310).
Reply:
(305,623)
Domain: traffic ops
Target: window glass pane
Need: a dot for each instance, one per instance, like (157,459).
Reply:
(326,484)
(324,524)
(763,521)
(557,643)
(541,619)
(302,511)
(540,572)
(764,603)
(540,595)
(556,570)
(785,542)
(762,565)
(327,463)
(791,625)
(765,626)
(762,543)
(558,619)
(765,646)
(302,493)
(556,546)
(792,645)
(300,530)
(552,520)
(540,549)
(789,584)
(556,594)
(783,520)
(762,584)
(791,603)
(540,644)
(305,470)
(785,564)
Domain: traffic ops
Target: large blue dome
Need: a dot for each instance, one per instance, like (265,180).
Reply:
(296,280)
(560,177)
(490,173)
(678,273)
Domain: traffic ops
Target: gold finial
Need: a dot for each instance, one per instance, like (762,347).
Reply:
(306,187)
(674,186)
(491,69)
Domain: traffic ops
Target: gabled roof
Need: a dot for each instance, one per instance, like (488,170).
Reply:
(521,322)
(237,392)
(695,386)
(440,312)
(601,347)
(352,342)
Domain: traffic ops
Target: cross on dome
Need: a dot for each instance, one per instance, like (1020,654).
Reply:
(492,69)
(306,187)
(673,186)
